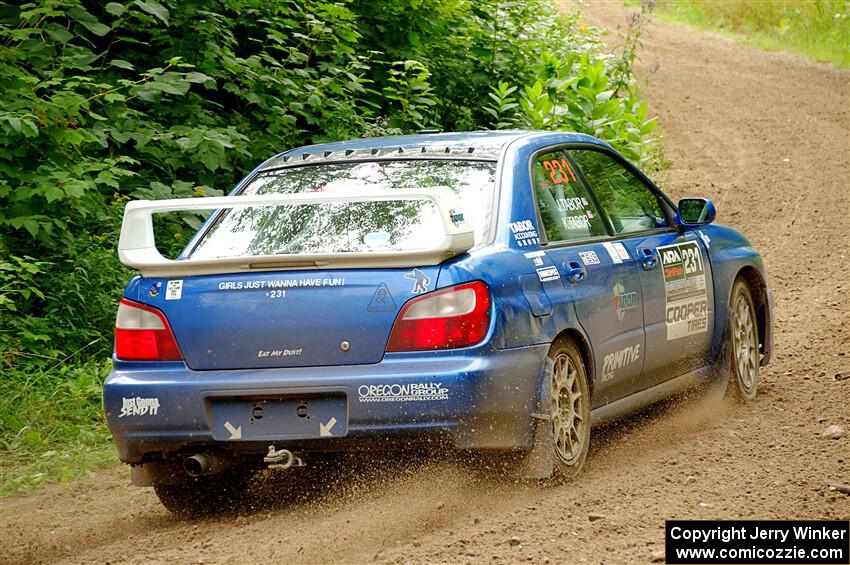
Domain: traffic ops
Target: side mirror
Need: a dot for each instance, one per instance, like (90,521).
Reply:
(695,212)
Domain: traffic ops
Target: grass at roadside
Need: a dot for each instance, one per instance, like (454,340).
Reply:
(51,425)
(816,29)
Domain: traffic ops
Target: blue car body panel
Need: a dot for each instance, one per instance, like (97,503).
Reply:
(481,397)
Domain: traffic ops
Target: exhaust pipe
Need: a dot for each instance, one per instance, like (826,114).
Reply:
(201,464)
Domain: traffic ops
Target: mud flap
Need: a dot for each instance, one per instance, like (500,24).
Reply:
(721,370)
(538,464)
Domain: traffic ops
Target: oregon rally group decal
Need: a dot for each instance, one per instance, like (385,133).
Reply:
(684,289)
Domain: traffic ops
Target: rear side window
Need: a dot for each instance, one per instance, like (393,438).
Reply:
(628,202)
(345,227)
(565,207)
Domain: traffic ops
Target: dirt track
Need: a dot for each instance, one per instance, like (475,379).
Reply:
(767,136)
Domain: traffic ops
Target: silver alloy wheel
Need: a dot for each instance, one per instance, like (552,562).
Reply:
(745,343)
(567,422)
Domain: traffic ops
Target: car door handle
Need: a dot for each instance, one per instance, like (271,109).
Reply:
(575,272)
(650,259)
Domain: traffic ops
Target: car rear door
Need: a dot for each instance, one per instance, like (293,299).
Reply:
(601,277)
(675,276)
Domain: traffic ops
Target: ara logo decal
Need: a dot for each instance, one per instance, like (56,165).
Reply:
(420,281)
(623,301)
(155,288)
(382,300)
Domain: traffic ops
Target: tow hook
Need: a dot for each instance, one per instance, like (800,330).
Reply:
(283,459)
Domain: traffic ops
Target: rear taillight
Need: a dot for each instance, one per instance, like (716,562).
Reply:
(458,316)
(142,333)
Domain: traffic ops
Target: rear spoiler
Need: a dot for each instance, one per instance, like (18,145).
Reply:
(137,246)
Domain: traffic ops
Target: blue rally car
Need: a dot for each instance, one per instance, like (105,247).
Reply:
(498,291)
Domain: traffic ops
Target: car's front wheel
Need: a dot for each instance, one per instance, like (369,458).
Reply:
(569,409)
(744,344)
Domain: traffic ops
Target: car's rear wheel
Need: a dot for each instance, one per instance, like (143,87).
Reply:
(744,344)
(569,409)
(207,494)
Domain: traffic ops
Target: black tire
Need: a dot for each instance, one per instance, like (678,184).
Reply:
(569,409)
(743,344)
(206,495)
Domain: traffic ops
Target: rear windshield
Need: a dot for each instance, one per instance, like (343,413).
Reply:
(344,227)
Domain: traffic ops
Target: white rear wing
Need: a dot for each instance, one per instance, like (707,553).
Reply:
(137,246)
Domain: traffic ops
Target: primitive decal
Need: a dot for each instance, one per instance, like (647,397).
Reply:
(619,359)
(684,289)
(524,233)
(589,257)
(408,392)
(382,300)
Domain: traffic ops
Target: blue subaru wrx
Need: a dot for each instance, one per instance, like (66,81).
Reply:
(496,291)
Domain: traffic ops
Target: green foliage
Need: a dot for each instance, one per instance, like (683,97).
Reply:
(107,102)
(817,29)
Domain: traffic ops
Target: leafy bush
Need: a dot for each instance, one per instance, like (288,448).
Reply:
(109,101)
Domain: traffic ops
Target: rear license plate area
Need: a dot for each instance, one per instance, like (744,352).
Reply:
(285,418)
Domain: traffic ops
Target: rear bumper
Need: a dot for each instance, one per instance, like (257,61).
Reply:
(482,399)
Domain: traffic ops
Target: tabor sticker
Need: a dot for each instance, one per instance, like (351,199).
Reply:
(685,293)
(547,274)
(524,233)
(589,257)
(137,406)
(174,290)
(621,250)
(612,252)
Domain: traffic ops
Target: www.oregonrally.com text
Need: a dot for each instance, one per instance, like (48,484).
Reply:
(757,541)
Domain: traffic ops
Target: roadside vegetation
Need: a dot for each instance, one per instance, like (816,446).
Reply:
(817,29)
(107,102)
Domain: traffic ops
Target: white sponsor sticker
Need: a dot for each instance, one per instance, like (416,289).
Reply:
(621,250)
(138,406)
(612,252)
(174,290)
(408,392)
(686,297)
(524,233)
(547,274)
(589,257)
(536,257)
(619,359)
